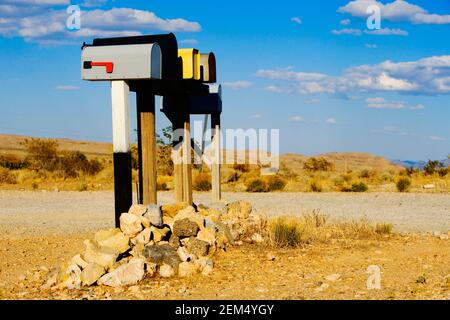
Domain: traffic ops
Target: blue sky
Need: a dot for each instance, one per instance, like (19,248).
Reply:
(310,68)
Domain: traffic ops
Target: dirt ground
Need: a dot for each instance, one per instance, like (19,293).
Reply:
(42,230)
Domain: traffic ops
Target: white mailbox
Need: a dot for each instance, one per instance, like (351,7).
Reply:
(121,62)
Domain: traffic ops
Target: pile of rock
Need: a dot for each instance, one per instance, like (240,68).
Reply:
(166,240)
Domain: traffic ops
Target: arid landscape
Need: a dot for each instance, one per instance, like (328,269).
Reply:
(406,234)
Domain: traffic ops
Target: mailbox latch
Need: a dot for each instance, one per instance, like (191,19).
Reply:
(108,65)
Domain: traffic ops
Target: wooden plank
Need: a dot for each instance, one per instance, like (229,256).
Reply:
(147,147)
(123,188)
(187,161)
(215,168)
(177,123)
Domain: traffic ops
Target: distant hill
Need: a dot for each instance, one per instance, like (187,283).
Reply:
(343,160)
(12,144)
(417,164)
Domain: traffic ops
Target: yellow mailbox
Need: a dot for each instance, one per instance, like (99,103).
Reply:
(208,68)
(191,63)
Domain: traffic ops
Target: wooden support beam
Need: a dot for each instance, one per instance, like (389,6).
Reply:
(177,124)
(215,168)
(123,188)
(187,160)
(147,147)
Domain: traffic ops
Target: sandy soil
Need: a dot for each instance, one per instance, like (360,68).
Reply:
(47,228)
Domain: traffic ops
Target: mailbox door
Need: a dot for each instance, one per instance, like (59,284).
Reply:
(208,67)
(191,63)
(121,62)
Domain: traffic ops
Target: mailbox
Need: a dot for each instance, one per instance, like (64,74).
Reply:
(118,62)
(205,104)
(191,63)
(171,63)
(208,68)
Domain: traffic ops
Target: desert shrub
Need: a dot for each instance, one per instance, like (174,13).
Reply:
(202,182)
(6,177)
(410,171)
(233,176)
(82,186)
(443,172)
(368,174)
(356,187)
(42,154)
(286,232)
(316,186)
(318,164)
(241,167)
(256,185)
(383,228)
(12,163)
(403,184)
(433,167)
(72,162)
(34,185)
(359,187)
(347,177)
(275,183)
(164,162)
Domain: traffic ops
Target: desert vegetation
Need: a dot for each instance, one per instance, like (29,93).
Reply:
(57,164)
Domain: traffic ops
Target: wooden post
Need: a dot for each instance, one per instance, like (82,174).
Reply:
(147,147)
(177,124)
(123,187)
(215,168)
(187,160)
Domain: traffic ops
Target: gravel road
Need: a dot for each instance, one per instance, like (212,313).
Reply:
(23,212)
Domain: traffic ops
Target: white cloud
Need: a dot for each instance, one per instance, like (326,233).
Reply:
(67,88)
(93,3)
(330,121)
(296,119)
(428,76)
(238,85)
(381,103)
(50,26)
(380,32)
(371,46)
(345,22)
(387,32)
(437,138)
(353,32)
(297,20)
(396,11)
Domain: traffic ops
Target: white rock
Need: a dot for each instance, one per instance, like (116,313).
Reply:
(104,256)
(333,277)
(185,256)
(113,238)
(204,263)
(188,269)
(91,274)
(144,237)
(207,235)
(166,271)
(138,210)
(207,271)
(257,238)
(154,215)
(69,277)
(125,275)
(429,186)
(130,224)
(79,261)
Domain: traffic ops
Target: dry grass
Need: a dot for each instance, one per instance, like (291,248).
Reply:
(314,228)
